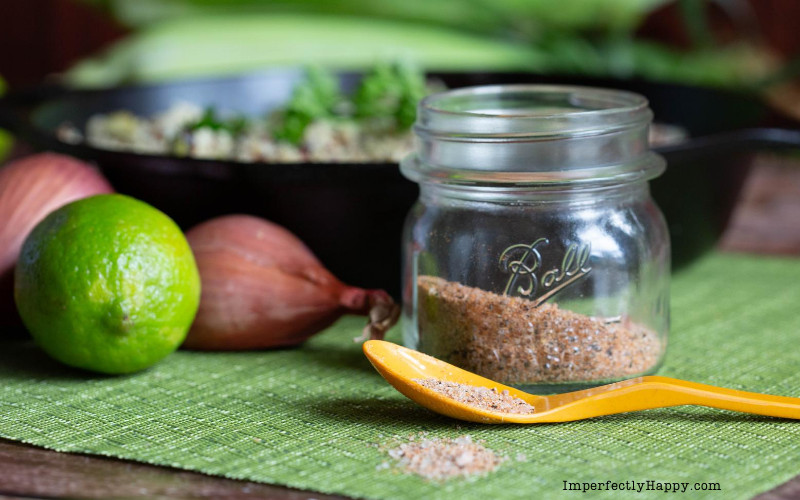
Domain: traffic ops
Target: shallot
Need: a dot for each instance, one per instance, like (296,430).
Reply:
(262,287)
(31,188)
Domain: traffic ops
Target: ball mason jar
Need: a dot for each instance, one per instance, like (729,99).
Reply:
(535,255)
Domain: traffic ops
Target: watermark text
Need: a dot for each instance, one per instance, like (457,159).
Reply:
(640,486)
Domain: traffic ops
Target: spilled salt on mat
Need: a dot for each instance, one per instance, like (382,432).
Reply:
(441,459)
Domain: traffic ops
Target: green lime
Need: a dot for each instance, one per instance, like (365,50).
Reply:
(108,284)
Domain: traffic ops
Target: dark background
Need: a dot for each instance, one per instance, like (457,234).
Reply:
(42,37)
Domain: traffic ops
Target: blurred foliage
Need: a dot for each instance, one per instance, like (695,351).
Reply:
(180,38)
(220,45)
(516,17)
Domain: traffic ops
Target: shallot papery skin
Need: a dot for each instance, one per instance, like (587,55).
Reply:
(31,188)
(262,287)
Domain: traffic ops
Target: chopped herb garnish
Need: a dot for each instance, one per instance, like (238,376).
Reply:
(209,120)
(313,99)
(391,90)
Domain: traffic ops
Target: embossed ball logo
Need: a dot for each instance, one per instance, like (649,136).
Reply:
(524,263)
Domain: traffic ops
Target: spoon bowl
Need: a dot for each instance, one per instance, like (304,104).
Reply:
(401,366)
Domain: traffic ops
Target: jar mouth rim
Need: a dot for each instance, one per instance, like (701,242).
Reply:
(513,110)
(645,168)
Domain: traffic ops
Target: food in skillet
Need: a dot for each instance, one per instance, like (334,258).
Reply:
(318,124)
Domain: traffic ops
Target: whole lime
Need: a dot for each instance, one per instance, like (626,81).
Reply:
(108,284)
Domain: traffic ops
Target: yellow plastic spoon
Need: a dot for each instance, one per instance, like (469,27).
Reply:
(400,366)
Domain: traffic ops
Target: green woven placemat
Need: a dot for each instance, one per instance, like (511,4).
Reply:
(309,418)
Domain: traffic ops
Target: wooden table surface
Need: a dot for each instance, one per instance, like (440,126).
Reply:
(766,220)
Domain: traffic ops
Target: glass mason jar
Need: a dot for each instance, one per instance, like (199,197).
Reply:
(535,255)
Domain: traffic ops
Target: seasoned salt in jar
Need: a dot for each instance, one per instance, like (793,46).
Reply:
(535,255)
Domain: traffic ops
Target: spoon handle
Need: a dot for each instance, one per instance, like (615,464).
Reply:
(661,392)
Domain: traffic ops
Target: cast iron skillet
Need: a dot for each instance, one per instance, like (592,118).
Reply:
(351,215)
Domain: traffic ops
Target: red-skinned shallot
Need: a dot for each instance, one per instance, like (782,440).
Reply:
(31,188)
(262,287)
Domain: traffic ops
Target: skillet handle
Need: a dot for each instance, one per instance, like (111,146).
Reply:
(15,107)
(769,138)
(741,141)
(9,115)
